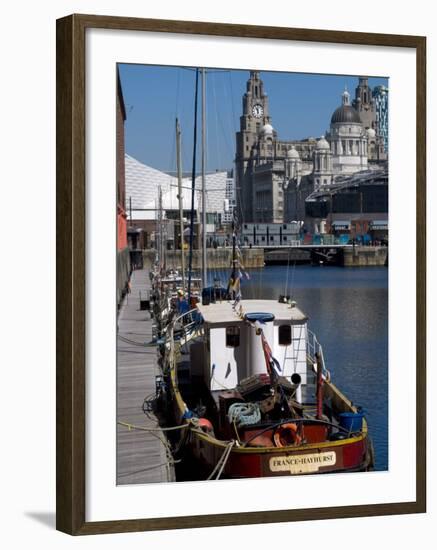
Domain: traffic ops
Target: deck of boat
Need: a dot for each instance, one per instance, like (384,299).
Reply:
(141,456)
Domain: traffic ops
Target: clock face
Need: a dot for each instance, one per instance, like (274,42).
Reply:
(257,110)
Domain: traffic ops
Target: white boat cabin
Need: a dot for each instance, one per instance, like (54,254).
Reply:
(233,350)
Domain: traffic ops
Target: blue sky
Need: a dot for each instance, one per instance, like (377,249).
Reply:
(300,106)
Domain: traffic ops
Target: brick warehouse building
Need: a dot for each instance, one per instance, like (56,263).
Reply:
(123,260)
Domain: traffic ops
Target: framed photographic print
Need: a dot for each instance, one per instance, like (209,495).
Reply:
(235,208)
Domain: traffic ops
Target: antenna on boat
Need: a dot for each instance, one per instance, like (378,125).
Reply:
(181,216)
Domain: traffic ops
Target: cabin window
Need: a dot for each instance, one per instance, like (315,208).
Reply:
(284,335)
(232,337)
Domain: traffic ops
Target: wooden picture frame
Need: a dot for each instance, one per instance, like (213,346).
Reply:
(71,253)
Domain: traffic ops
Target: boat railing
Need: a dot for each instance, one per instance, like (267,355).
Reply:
(314,349)
(187,330)
(184,315)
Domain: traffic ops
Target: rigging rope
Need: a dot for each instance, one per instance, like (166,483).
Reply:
(134,343)
(221,463)
(292,280)
(288,268)
(147,429)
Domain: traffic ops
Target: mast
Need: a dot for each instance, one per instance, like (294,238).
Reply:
(230,291)
(161,231)
(204,273)
(181,217)
(193,189)
(234,255)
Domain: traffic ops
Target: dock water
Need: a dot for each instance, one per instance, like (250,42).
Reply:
(141,454)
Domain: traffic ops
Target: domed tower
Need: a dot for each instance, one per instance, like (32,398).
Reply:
(293,167)
(347,138)
(322,164)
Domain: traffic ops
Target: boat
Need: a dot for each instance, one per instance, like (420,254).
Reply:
(246,382)
(168,293)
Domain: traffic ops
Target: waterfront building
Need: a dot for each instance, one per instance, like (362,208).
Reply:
(348,139)
(355,207)
(230,201)
(123,257)
(270,234)
(275,176)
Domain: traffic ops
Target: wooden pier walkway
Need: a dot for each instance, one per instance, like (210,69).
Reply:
(141,455)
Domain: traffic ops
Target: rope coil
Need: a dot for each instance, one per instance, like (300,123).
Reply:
(244,414)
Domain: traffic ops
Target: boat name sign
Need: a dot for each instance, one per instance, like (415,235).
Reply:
(297,464)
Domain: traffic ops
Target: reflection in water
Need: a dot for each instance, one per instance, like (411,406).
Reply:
(348,311)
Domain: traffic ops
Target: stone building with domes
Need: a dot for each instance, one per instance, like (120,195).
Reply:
(274,176)
(348,139)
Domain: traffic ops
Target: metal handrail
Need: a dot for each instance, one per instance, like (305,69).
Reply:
(313,347)
(181,317)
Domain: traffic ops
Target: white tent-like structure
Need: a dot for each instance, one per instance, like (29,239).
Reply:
(143,183)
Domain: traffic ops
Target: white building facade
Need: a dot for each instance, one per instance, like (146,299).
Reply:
(348,139)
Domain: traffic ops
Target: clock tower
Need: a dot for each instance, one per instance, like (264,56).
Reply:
(255,116)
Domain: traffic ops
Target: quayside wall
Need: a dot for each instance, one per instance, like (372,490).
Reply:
(221,258)
(361,256)
(216,258)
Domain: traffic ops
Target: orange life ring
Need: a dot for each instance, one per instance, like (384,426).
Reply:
(287,435)
(205,425)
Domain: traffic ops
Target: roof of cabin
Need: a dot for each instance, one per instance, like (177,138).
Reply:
(223,312)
